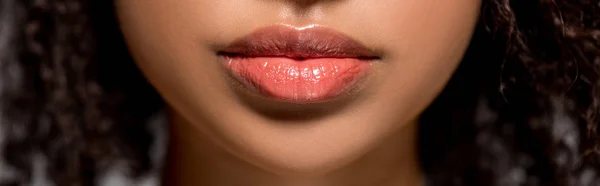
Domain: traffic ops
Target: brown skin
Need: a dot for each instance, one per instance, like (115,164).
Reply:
(71,93)
(174,43)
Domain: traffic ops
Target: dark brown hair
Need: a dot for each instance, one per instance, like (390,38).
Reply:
(522,108)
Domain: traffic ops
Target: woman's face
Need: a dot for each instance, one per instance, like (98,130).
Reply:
(262,103)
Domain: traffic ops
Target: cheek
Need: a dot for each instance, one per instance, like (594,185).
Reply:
(425,43)
(167,41)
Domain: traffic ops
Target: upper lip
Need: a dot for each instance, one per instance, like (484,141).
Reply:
(298,43)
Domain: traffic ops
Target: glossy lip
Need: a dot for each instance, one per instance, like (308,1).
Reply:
(298,43)
(307,47)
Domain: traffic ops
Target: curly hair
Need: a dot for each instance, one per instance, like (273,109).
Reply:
(522,108)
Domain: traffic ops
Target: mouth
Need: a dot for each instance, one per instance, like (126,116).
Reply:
(299,65)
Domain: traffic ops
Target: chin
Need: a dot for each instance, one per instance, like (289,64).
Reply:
(303,159)
(307,149)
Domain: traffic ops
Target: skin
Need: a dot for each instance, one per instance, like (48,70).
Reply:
(217,127)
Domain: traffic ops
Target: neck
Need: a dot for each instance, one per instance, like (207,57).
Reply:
(194,160)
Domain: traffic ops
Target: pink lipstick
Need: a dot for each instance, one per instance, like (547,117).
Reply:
(309,64)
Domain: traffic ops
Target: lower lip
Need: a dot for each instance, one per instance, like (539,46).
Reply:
(299,81)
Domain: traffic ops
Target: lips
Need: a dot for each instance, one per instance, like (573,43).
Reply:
(299,65)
